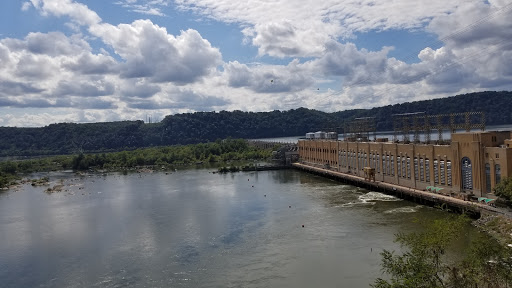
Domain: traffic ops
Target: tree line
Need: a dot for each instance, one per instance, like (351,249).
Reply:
(200,127)
(166,157)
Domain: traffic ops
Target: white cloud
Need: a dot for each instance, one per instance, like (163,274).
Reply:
(308,24)
(151,52)
(268,78)
(25,6)
(146,7)
(283,38)
(92,64)
(149,69)
(474,23)
(78,12)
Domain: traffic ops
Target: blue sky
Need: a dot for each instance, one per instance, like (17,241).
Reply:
(89,61)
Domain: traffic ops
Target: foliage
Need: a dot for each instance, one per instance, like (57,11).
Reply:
(220,150)
(200,127)
(425,262)
(504,188)
(7,173)
(10,170)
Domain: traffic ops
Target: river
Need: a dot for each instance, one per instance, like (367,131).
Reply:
(194,228)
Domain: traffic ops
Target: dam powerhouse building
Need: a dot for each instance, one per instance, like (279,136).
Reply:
(471,164)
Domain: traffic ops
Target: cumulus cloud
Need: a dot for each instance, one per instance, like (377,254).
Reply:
(474,23)
(283,39)
(53,44)
(148,50)
(141,89)
(78,12)
(85,88)
(113,72)
(178,98)
(47,64)
(268,78)
(8,88)
(354,66)
(151,52)
(54,70)
(308,25)
(92,64)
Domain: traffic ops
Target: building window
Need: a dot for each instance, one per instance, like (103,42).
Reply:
(378,165)
(436,172)
(387,165)
(408,167)
(403,172)
(497,156)
(497,172)
(427,170)
(441,169)
(467,174)
(449,173)
(422,170)
(488,177)
(392,166)
(416,172)
(383,164)
(365,160)
(399,166)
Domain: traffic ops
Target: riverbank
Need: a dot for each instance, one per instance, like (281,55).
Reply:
(169,157)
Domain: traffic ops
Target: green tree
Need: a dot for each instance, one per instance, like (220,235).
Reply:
(504,188)
(425,263)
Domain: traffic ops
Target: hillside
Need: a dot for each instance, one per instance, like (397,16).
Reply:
(66,138)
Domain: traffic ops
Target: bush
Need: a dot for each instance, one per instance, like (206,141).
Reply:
(504,189)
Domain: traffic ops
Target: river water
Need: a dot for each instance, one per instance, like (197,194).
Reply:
(193,228)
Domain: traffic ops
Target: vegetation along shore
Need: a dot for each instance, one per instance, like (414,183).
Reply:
(162,157)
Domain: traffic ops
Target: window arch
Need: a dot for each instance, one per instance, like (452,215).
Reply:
(497,173)
(467,174)
(487,178)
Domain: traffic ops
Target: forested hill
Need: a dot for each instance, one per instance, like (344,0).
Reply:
(197,127)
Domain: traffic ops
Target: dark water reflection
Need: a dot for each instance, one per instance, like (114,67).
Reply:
(193,228)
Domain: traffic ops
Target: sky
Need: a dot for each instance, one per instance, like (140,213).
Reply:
(99,60)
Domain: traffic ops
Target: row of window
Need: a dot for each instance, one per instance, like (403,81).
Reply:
(497,176)
(421,167)
(442,168)
(317,152)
